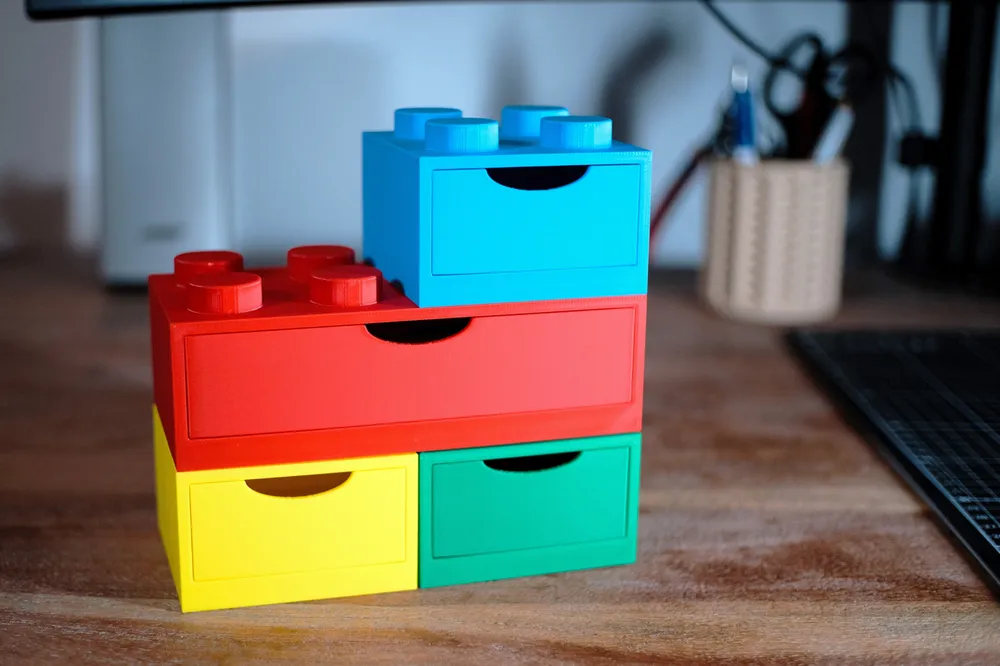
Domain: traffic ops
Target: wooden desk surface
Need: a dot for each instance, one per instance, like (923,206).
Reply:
(769,532)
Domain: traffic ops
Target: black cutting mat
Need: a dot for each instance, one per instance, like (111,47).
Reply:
(930,403)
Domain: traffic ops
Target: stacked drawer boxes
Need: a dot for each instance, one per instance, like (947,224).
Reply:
(463,405)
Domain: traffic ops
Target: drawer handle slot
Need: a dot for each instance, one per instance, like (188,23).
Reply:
(298,486)
(537,178)
(419,332)
(538,463)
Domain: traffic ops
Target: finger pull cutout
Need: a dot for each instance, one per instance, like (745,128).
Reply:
(298,486)
(419,332)
(532,463)
(537,178)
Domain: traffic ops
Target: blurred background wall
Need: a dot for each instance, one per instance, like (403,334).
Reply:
(307,80)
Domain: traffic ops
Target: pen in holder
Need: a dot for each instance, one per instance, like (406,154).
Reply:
(775,240)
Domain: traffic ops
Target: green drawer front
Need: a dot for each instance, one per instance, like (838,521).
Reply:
(527,509)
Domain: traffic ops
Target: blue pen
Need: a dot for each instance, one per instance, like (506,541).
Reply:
(745,131)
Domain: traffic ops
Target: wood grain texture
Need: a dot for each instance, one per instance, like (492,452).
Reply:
(769,532)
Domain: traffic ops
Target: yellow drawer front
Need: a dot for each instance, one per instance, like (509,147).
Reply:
(283,533)
(237,532)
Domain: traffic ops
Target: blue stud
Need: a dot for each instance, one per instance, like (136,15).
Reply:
(462,135)
(410,123)
(576,133)
(524,122)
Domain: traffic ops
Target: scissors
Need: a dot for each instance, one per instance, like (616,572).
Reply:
(822,90)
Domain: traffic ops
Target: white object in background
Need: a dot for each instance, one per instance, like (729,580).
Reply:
(85,174)
(835,136)
(164,134)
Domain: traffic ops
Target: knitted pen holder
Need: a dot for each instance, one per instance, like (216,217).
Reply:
(775,241)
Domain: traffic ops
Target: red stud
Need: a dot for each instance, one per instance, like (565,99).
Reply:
(190,264)
(224,293)
(346,286)
(303,260)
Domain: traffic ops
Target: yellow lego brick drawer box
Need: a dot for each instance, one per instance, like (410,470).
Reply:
(263,535)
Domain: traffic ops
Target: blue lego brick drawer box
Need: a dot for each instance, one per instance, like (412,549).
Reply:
(542,205)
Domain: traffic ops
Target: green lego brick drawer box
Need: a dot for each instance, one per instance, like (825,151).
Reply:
(528,509)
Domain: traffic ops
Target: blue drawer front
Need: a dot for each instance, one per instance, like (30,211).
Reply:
(479,226)
(479,218)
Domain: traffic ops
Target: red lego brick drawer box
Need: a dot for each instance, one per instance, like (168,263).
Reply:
(318,361)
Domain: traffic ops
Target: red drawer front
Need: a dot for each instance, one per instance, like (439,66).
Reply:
(281,381)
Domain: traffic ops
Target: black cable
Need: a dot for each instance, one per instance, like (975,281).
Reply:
(743,38)
(736,32)
(898,78)
(933,18)
(888,72)
(907,249)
